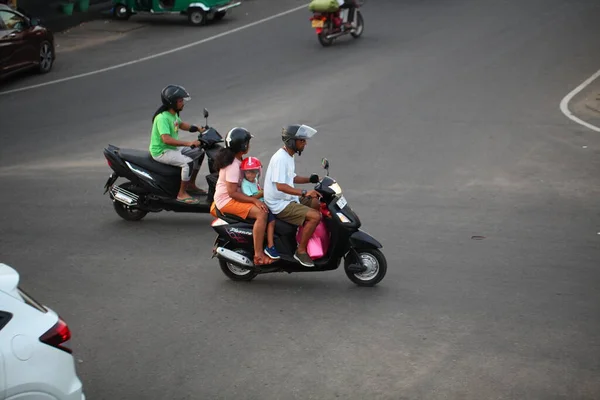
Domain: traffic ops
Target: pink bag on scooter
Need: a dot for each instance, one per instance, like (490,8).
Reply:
(318,242)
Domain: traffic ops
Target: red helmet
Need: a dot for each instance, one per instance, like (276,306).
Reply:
(251,163)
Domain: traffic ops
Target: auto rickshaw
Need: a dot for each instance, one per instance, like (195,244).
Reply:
(197,11)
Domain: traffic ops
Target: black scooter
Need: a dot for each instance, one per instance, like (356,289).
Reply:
(152,186)
(364,263)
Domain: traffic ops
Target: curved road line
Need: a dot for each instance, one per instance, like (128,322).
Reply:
(164,53)
(564,104)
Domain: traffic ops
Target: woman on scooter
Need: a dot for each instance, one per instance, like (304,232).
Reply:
(229,198)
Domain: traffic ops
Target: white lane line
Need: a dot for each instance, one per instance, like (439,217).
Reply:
(564,104)
(164,53)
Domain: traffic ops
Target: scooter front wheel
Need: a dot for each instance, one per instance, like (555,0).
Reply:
(376,267)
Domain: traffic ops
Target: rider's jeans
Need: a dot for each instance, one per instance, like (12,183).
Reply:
(184,157)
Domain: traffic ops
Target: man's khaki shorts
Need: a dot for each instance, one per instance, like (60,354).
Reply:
(295,213)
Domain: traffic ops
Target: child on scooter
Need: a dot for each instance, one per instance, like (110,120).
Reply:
(251,166)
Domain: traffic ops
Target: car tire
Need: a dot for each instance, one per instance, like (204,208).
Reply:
(121,12)
(196,16)
(46,60)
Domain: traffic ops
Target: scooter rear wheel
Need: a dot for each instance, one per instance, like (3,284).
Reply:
(376,265)
(129,213)
(236,273)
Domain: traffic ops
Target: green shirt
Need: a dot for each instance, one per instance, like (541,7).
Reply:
(165,123)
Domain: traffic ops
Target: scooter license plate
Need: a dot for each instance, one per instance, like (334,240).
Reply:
(341,203)
(317,23)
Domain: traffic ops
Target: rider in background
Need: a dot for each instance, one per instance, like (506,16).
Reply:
(348,8)
(165,146)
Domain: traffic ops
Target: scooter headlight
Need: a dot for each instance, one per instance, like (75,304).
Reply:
(343,218)
(336,188)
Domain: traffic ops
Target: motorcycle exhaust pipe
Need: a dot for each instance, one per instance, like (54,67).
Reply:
(336,35)
(234,257)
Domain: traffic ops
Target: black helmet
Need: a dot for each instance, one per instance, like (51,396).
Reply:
(238,139)
(171,93)
(291,133)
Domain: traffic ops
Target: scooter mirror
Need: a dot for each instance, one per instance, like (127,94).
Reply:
(325,164)
(205,113)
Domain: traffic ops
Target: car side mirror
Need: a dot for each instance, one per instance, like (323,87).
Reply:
(34,22)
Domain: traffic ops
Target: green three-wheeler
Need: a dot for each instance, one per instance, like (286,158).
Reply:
(197,11)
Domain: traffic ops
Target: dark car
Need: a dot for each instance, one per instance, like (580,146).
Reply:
(24,43)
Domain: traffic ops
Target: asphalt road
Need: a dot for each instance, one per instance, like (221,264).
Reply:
(441,123)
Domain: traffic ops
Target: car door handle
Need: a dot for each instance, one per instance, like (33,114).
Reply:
(12,35)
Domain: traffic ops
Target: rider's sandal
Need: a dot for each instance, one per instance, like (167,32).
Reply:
(188,200)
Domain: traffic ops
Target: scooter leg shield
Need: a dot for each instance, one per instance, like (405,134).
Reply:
(362,240)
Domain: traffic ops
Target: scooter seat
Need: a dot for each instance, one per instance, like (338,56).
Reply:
(232,219)
(145,160)
(281,227)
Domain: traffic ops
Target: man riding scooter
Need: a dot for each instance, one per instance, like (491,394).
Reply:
(294,206)
(165,146)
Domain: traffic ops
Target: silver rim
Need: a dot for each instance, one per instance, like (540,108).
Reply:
(238,270)
(45,57)
(197,17)
(369,261)
(121,11)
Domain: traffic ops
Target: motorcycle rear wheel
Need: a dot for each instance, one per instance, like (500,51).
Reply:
(323,39)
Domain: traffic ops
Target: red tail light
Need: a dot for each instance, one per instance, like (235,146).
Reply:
(57,335)
(108,161)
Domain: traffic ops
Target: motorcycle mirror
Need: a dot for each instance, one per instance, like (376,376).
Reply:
(205,118)
(325,164)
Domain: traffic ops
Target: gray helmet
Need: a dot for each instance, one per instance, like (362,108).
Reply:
(291,133)
(171,93)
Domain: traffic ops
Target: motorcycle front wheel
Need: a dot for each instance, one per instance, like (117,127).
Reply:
(376,265)
(360,26)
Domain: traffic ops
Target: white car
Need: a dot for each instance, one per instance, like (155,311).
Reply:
(35,362)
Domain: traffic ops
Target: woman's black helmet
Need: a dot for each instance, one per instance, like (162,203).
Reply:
(238,139)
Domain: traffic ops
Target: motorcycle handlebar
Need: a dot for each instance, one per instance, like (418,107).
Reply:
(200,137)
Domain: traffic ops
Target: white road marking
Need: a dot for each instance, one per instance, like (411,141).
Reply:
(164,53)
(564,104)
